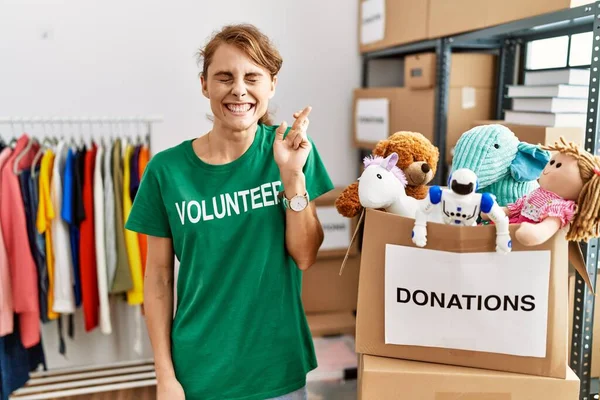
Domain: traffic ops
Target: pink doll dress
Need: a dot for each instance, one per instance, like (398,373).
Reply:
(539,205)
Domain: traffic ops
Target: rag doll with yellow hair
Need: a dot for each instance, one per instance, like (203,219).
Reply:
(568,196)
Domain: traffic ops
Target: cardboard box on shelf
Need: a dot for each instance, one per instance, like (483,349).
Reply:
(450,17)
(332,324)
(388,23)
(533,340)
(337,229)
(386,378)
(379,112)
(323,290)
(466,70)
(535,134)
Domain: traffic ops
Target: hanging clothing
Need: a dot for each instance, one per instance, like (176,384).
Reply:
(89,273)
(109,218)
(142,162)
(16,362)
(37,240)
(122,281)
(45,215)
(134,170)
(64,295)
(99,240)
(40,239)
(69,190)
(6,302)
(136,294)
(14,229)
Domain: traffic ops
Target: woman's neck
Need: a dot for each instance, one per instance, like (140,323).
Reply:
(222,145)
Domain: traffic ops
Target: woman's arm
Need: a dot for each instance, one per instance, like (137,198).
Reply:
(303,232)
(158,303)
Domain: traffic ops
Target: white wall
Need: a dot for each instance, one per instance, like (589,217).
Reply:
(120,58)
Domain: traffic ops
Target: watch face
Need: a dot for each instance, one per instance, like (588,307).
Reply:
(298,203)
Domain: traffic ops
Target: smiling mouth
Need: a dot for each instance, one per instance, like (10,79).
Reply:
(545,173)
(239,108)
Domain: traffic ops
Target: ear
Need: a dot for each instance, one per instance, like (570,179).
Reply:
(273,86)
(204,86)
(390,161)
(529,162)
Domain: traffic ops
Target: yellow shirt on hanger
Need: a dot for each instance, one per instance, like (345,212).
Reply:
(44,220)
(135,296)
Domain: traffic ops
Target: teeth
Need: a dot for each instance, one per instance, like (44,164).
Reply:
(239,108)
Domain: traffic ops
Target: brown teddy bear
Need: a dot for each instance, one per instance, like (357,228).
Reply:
(417,157)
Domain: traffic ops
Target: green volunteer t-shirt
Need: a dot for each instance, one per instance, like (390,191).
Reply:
(240,331)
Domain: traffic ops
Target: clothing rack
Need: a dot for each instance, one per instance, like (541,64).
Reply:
(80,135)
(115,124)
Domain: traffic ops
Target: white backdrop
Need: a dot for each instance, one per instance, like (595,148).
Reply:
(120,58)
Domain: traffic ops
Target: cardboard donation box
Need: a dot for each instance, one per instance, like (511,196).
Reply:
(387,23)
(458,302)
(387,378)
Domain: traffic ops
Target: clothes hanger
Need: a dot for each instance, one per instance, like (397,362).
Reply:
(46,144)
(19,157)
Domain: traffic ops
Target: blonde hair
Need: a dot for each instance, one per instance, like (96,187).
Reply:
(256,45)
(586,222)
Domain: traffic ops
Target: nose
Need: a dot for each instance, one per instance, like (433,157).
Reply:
(425,168)
(239,90)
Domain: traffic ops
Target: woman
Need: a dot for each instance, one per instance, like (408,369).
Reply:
(235,207)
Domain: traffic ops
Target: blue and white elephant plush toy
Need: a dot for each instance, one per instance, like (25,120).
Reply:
(505,166)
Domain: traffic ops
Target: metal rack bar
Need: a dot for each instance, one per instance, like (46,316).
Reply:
(443,60)
(403,50)
(85,120)
(583,312)
(505,75)
(568,18)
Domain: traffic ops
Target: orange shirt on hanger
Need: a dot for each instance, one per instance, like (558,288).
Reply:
(142,162)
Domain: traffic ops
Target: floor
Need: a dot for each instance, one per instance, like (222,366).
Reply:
(335,378)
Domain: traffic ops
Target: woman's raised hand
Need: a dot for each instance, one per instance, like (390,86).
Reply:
(292,151)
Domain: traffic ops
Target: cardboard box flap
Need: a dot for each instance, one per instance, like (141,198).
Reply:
(394,365)
(576,259)
(358,226)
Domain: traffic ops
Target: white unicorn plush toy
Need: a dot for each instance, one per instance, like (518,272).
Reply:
(382,186)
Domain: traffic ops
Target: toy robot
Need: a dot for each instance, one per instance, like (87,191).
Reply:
(461,205)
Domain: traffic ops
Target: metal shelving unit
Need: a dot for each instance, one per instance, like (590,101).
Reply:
(509,42)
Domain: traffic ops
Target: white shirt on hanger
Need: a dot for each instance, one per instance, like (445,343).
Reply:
(109,216)
(64,298)
(105,324)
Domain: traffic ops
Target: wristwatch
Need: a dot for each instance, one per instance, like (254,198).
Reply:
(296,203)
